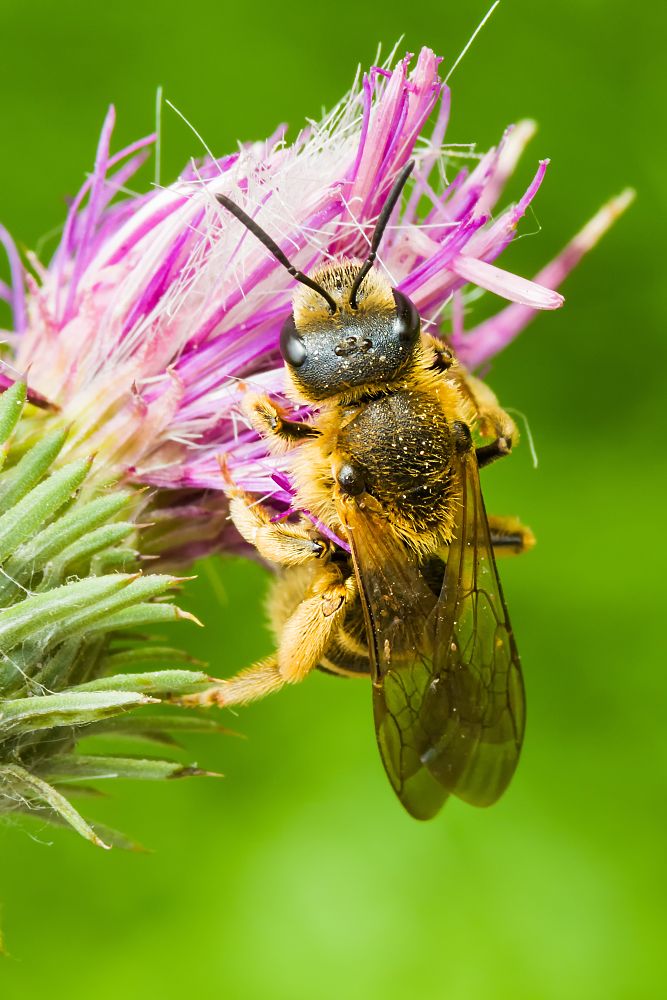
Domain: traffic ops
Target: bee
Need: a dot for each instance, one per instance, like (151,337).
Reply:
(393,573)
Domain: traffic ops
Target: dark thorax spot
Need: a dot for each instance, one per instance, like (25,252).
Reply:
(351,480)
(461,437)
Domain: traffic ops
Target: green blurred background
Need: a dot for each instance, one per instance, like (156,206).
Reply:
(298,875)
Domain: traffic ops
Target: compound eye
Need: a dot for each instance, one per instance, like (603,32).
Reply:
(406,324)
(292,347)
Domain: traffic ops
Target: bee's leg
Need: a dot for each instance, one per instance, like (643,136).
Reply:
(308,632)
(493,421)
(442,357)
(270,421)
(248,685)
(304,639)
(279,542)
(489,453)
(509,537)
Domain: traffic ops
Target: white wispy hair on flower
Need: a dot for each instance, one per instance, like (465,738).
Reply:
(156,311)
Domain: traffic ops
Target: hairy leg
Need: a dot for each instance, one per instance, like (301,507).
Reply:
(488,453)
(303,641)
(509,536)
(270,421)
(288,544)
(493,421)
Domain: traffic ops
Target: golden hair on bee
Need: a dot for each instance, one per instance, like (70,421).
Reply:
(310,308)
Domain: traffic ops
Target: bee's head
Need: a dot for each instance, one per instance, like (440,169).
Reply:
(330,352)
(349,327)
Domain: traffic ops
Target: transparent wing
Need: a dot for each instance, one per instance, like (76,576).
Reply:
(474,709)
(400,613)
(447,690)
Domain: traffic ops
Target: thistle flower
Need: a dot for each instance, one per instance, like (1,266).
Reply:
(157,311)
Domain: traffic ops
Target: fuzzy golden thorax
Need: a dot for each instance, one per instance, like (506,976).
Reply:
(399,437)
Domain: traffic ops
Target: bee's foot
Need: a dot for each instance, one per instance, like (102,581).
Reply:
(213,696)
(492,452)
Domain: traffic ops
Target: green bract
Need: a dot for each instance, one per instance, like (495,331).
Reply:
(70,587)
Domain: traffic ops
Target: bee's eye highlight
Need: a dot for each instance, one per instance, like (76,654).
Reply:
(292,347)
(406,324)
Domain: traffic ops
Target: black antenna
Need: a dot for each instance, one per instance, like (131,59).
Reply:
(380,226)
(273,247)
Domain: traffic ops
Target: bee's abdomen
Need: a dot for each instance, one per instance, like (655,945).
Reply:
(401,446)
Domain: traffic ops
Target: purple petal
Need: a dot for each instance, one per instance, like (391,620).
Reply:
(491,337)
(17,293)
(93,209)
(509,286)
